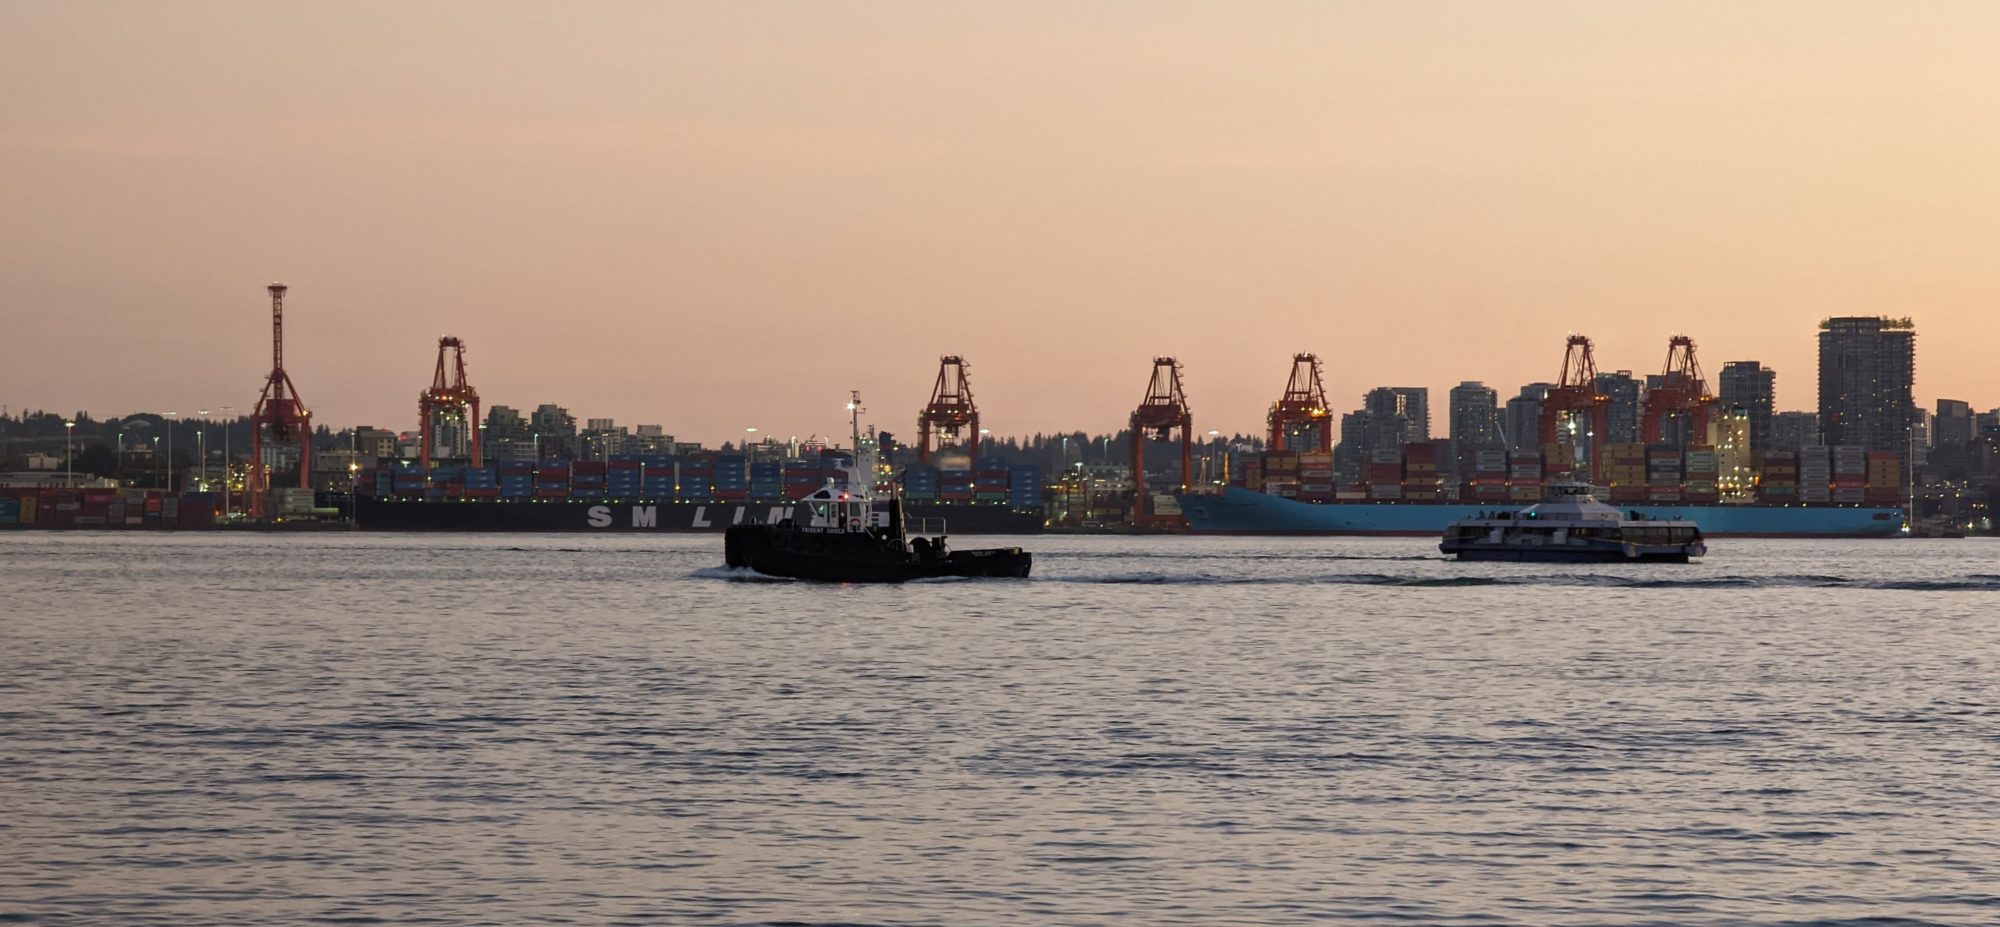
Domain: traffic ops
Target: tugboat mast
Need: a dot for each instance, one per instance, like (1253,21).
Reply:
(854,415)
(864,464)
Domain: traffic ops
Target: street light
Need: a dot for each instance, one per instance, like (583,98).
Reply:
(69,454)
(170,450)
(227,414)
(750,449)
(201,444)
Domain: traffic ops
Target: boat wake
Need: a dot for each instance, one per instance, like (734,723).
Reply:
(1973,583)
(737,575)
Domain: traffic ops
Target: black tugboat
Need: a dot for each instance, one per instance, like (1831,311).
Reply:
(843,535)
(838,536)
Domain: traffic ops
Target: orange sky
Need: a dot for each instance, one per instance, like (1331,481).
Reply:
(719,215)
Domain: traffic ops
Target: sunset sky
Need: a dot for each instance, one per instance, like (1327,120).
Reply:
(720,215)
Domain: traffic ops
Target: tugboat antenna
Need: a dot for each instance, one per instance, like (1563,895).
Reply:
(854,411)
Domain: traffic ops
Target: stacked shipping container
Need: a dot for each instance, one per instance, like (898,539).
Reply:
(119,509)
(1628,474)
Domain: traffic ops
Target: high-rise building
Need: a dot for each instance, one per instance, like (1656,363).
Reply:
(1350,452)
(1792,430)
(1397,415)
(1954,423)
(554,431)
(507,435)
(603,439)
(1867,367)
(1621,406)
(1416,408)
(653,439)
(1729,436)
(1523,421)
(1475,414)
(372,445)
(1752,387)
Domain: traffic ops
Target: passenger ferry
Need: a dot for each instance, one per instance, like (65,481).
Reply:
(1569,525)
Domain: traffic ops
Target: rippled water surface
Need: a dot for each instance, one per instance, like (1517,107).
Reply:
(555,729)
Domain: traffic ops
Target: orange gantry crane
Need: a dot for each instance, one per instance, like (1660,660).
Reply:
(1575,399)
(451,397)
(280,417)
(1300,420)
(950,411)
(1678,409)
(1164,409)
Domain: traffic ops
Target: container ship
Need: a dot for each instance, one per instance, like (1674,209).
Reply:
(1845,492)
(676,494)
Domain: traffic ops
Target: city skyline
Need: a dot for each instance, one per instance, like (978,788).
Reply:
(652,216)
(393,423)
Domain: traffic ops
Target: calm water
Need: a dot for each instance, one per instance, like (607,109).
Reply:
(460,730)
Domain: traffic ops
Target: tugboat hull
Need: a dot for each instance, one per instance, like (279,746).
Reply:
(860,558)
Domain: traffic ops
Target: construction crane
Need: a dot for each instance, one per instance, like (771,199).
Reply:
(451,398)
(950,411)
(1575,397)
(280,417)
(1300,420)
(1682,398)
(1164,409)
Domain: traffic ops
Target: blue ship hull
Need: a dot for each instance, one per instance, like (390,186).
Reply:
(1238,511)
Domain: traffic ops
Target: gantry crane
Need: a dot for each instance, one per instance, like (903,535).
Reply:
(451,397)
(280,417)
(1682,397)
(1575,399)
(1164,409)
(1300,419)
(950,411)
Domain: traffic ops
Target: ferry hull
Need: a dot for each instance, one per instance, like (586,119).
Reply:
(1557,555)
(605,517)
(1238,511)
